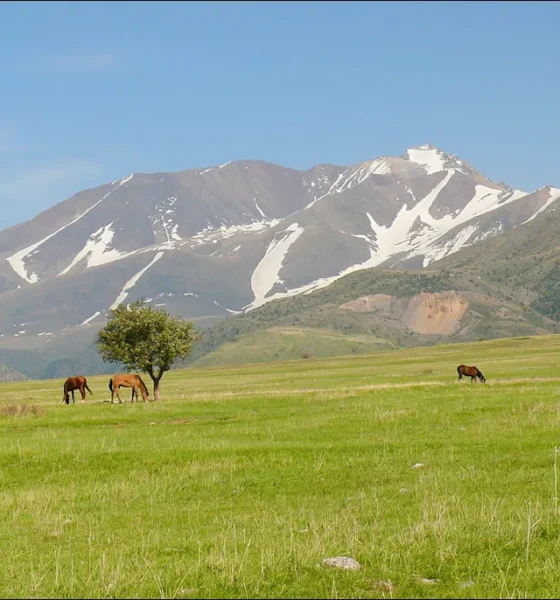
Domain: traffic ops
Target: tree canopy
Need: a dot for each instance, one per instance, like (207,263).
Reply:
(145,339)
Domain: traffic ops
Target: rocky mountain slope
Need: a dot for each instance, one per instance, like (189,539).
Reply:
(7,374)
(225,240)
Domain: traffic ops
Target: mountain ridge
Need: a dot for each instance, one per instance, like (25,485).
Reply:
(225,240)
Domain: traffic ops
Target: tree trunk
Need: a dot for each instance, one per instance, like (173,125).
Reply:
(156,378)
(156,389)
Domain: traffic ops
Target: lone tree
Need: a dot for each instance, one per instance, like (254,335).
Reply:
(145,339)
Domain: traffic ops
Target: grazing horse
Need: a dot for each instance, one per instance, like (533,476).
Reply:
(471,372)
(75,383)
(132,380)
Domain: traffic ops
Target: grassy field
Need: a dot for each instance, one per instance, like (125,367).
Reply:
(242,480)
(290,343)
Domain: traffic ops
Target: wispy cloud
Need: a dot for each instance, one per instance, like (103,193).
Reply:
(85,63)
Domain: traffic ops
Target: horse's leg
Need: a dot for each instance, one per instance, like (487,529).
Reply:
(118,395)
(83,393)
(73,401)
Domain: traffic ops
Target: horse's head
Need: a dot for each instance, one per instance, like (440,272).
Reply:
(481,377)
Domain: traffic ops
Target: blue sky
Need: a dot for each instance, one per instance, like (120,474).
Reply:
(93,91)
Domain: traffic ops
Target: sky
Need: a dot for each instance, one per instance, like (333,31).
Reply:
(93,91)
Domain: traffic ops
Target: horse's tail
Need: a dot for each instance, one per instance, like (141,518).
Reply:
(111,384)
(87,386)
(66,398)
(143,386)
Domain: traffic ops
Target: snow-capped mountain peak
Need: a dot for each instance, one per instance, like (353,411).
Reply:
(433,160)
(217,244)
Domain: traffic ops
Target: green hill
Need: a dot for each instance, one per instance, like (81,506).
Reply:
(395,308)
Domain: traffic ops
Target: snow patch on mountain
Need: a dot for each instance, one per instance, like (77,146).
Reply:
(428,157)
(554,194)
(266,272)
(17,262)
(97,249)
(211,235)
(320,181)
(394,238)
(386,244)
(403,235)
(484,200)
(458,241)
(96,314)
(379,166)
(164,218)
(126,179)
(259,208)
(133,281)
(353,176)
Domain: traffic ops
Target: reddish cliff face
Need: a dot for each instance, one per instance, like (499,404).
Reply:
(438,313)
(431,314)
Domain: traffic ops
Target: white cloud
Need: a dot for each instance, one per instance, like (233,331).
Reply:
(93,62)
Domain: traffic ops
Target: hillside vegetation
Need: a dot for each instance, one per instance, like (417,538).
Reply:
(493,312)
(241,481)
(525,261)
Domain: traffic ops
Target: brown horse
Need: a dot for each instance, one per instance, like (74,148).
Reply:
(75,383)
(471,372)
(132,380)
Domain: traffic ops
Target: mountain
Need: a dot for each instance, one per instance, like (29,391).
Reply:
(370,309)
(7,374)
(220,241)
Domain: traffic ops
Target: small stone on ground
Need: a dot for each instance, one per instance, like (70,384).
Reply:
(342,562)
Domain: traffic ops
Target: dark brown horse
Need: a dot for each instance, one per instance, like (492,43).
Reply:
(131,380)
(471,372)
(75,383)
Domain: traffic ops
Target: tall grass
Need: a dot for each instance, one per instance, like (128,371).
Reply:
(242,480)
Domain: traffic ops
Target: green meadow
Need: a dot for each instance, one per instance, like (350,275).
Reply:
(241,480)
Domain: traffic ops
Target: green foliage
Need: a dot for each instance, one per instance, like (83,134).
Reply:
(144,338)
(548,302)
(320,309)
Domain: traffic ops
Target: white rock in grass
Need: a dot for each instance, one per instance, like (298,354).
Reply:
(426,581)
(342,562)
(418,466)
